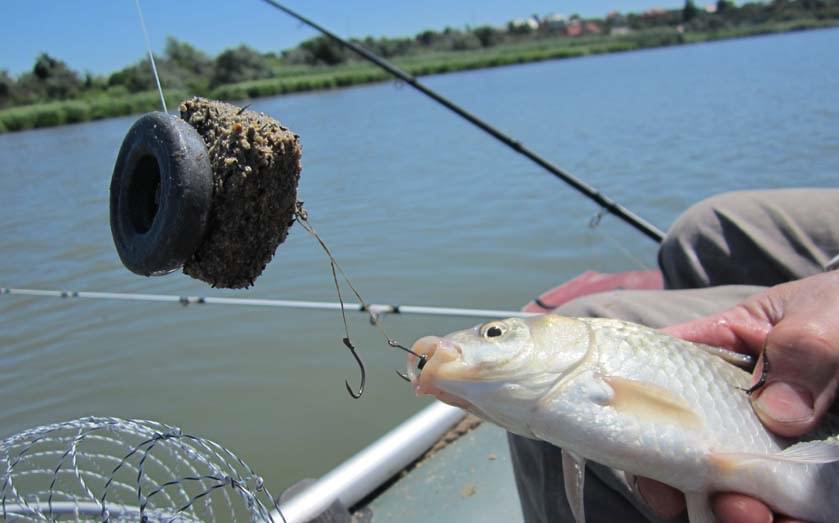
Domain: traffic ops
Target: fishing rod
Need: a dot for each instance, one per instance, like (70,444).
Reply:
(375,309)
(645,227)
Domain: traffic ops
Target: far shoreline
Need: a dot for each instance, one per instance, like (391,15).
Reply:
(53,114)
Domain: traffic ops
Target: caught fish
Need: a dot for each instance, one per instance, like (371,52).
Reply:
(634,399)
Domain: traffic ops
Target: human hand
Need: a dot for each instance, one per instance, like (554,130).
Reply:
(795,326)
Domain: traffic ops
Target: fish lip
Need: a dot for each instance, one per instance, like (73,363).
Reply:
(436,351)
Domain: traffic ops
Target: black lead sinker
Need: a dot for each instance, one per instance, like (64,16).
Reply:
(213,192)
(161,192)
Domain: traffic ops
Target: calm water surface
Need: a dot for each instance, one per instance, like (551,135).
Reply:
(419,207)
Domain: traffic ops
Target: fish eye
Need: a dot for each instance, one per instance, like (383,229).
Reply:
(493,330)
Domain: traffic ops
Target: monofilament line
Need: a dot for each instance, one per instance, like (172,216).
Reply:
(302,217)
(151,56)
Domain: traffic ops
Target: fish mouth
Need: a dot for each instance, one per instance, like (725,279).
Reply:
(426,366)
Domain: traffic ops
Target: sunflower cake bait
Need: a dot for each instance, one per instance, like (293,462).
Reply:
(255,165)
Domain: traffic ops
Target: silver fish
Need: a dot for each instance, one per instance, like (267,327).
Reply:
(634,399)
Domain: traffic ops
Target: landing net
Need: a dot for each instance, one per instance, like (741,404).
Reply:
(110,469)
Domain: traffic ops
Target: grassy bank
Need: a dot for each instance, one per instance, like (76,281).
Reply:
(299,79)
(75,111)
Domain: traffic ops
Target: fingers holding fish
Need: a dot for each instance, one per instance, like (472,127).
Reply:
(802,381)
(737,508)
(666,501)
(794,327)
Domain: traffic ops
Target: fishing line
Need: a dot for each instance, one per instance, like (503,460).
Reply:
(302,217)
(594,224)
(645,227)
(151,56)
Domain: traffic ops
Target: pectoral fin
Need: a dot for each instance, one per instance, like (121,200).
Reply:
(574,476)
(811,452)
(699,510)
(650,402)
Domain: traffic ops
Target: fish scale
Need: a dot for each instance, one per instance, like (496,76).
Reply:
(634,399)
(714,385)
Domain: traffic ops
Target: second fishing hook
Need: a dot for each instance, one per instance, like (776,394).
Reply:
(302,216)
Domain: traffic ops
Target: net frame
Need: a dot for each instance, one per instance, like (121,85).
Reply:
(105,468)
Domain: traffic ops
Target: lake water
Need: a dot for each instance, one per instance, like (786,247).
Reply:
(419,207)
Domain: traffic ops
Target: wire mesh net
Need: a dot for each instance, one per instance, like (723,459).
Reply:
(110,469)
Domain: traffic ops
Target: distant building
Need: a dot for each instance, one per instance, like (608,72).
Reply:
(527,24)
(618,23)
(554,22)
(616,18)
(592,28)
(655,12)
(574,28)
(581,27)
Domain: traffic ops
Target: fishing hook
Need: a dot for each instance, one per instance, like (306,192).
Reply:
(422,358)
(764,373)
(595,220)
(358,394)
(302,217)
(420,364)
(396,345)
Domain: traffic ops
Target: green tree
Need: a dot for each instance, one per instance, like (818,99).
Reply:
(52,79)
(137,77)
(188,57)
(240,64)
(724,6)
(93,82)
(460,41)
(690,11)
(7,88)
(323,51)
(427,38)
(188,67)
(518,28)
(488,36)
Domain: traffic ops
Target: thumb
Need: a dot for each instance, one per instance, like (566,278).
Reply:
(802,373)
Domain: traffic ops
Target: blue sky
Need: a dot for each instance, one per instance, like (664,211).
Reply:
(102,36)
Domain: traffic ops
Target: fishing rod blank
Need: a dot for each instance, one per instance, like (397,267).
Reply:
(376,309)
(645,227)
